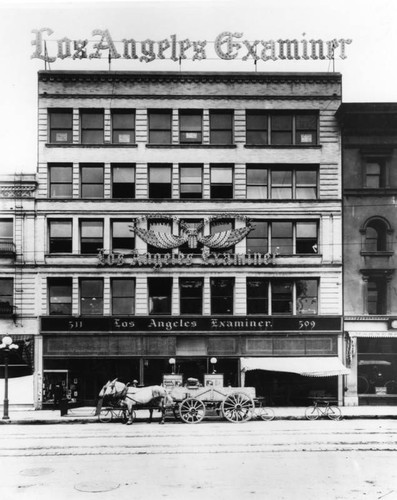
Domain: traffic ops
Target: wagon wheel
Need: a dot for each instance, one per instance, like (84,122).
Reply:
(105,415)
(237,407)
(192,410)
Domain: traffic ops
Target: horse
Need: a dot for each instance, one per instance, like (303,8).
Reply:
(151,397)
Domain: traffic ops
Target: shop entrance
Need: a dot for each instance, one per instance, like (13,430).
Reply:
(291,389)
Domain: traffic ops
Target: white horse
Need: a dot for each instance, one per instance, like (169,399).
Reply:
(151,398)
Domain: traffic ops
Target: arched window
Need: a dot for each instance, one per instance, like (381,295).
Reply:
(376,235)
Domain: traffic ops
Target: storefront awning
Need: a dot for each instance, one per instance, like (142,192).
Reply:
(309,367)
(383,334)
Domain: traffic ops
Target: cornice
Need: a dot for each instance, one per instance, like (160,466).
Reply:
(186,77)
(190,97)
(17,191)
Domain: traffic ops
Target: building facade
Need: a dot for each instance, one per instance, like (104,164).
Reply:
(369,132)
(188,223)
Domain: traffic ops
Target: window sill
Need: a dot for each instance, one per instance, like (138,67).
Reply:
(377,254)
(80,145)
(283,146)
(190,146)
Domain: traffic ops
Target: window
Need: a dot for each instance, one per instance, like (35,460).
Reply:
(376,236)
(91,297)
(92,126)
(160,127)
(306,237)
(6,296)
(61,126)
(282,238)
(191,181)
(122,237)
(257,238)
(306,296)
(60,236)
(123,181)
(123,296)
(221,181)
(159,226)
(222,225)
(281,184)
(377,295)
(375,173)
(61,180)
(91,180)
(190,126)
(91,236)
(7,237)
(160,181)
(281,129)
(257,296)
(123,126)
(282,297)
(160,293)
(293,183)
(191,295)
(221,127)
(257,182)
(192,246)
(222,293)
(257,127)
(60,296)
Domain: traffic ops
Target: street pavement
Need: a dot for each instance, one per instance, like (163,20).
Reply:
(20,415)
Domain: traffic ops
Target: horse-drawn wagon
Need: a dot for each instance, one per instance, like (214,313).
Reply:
(190,402)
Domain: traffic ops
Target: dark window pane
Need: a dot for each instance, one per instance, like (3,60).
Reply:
(60,296)
(61,126)
(257,239)
(257,296)
(160,293)
(222,293)
(60,181)
(123,296)
(60,236)
(191,296)
(91,297)
(281,297)
(306,237)
(122,237)
(282,238)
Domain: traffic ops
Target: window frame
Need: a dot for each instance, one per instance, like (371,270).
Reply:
(53,183)
(154,285)
(226,129)
(97,131)
(67,239)
(114,247)
(253,301)
(99,299)
(6,307)
(99,185)
(60,282)
(217,187)
(221,299)
(185,166)
(188,300)
(165,130)
(53,129)
(185,129)
(99,239)
(126,190)
(120,129)
(121,311)
(157,188)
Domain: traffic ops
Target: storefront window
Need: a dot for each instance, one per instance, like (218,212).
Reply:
(377,366)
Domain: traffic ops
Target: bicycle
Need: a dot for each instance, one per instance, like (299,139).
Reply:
(261,412)
(323,408)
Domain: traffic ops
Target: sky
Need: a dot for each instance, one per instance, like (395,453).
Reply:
(369,71)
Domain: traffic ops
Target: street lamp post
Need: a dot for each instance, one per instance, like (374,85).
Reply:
(7,346)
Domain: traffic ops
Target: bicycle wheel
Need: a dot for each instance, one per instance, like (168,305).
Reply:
(391,387)
(266,414)
(334,413)
(312,413)
(362,385)
(105,416)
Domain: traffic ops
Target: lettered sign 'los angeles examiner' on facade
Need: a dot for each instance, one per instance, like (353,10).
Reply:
(227,46)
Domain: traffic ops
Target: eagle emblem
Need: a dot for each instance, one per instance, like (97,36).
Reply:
(192,235)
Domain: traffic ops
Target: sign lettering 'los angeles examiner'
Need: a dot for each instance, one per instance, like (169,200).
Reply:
(227,46)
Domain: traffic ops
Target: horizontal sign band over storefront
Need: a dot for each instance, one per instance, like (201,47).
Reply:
(190,324)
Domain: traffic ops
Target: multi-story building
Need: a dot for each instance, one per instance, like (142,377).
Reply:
(369,132)
(189,222)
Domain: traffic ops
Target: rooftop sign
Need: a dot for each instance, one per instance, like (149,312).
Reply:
(227,46)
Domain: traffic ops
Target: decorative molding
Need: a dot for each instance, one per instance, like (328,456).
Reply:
(17,191)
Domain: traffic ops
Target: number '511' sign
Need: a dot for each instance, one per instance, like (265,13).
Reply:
(227,46)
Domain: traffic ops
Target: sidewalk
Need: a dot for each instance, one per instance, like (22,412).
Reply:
(87,414)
